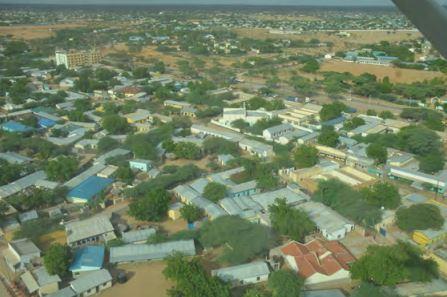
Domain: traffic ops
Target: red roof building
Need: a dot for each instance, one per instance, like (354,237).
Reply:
(318,260)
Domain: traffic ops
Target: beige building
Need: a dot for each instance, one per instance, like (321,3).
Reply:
(74,58)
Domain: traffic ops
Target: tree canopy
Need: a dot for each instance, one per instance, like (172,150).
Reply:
(305,156)
(391,265)
(348,202)
(290,221)
(328,136)
(57,259)
(115,124)
(191,213)
(242,240)
(382,194)
(152,207)
(215,191)
(61,169)
(285,283)
(377,152)
(419,217)
(191,279)
(332,111)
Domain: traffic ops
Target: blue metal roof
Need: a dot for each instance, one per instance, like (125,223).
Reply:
(90,187)
(46,123)
(13,126)
(88,258)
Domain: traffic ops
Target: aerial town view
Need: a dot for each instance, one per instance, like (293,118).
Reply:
(223,148)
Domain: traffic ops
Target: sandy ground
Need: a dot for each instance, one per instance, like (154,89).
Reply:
(145,279)
(54,237)
(35,32)
(357,37)
(395,74)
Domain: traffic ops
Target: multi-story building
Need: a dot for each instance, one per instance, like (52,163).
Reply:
(75,58)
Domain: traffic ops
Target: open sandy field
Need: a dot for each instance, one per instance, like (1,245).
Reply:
(396,75)
(36,31)
(54,237)
(356,39)
(145,280)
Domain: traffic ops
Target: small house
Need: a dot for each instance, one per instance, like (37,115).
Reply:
(141,165)
(20,253)
(244,274)
(40,281)
(87,259)
(174,211)
(88,189)
(92,283)
(89,231)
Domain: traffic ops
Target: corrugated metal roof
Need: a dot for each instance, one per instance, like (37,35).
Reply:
(88,228)
(75,181)
(91,280)
(144,252)
(21,184)
(268,198)
(88,258)
(242,272)
(89,188)
(138,235)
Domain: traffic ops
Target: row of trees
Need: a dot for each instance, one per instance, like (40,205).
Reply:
(364,206)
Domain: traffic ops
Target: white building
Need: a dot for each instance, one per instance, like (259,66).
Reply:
(244,274)
(273,133)
(332,225)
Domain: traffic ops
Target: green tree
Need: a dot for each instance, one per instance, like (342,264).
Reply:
(289,221)
(141,72)
(391,265)
(382,194)
(240,124)
(191,213)
(215,191)
(328,136)
(377,152)
(256,292)
(187,150)
(332,111)
(241,240)
(115,124)
(419,217)
(285,283)
(57,259)
(348,202)
(305,156)
(191,279)
(125,174)
(152,207)
(386,114)
(311,66)
(431,163)
(61,168)
(106,144)
(215,145)
(353,123)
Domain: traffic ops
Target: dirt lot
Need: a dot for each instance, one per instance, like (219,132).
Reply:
(54,237)
(145,279)
(35,32)
(395,74)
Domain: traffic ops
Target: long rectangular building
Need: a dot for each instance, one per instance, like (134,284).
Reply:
(145,252)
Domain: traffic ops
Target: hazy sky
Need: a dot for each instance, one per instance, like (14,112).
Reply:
(249,2)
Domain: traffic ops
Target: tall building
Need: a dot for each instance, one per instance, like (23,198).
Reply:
(76,58)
